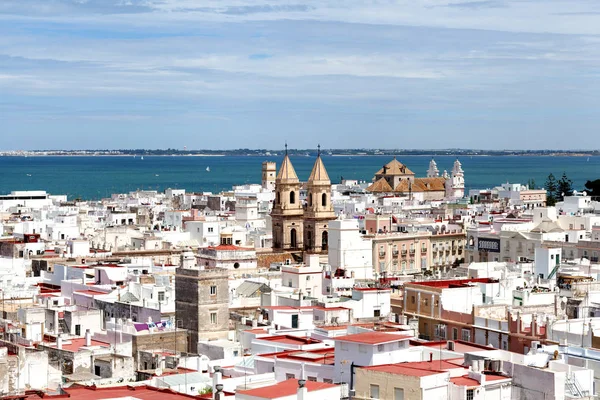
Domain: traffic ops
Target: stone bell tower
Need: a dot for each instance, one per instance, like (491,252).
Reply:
(318,208)
(287,212)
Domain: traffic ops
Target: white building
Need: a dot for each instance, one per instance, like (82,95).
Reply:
(371,348)
(349,250)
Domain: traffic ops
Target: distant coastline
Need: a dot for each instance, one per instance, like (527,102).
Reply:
(297,152)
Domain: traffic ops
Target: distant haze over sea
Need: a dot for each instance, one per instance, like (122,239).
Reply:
(95,177)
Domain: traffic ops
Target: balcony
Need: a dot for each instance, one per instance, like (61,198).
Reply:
(382,254)
(404,252)
(395,253)
(412,252)
(423,250)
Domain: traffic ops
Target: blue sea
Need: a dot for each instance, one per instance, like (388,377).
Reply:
(95,177)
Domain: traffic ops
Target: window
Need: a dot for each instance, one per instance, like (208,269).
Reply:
(78,330)
(380,347)
(344,346)
(213,290)
(374,391)
(470,394)
(326,380)
(290,376)
(311,378)
(236,265)
(466,335)
(324,200)
(454,333)
(412,298)
(377,313)
(213,318)
(161,296)
(362,348)
(292,197)
(398,394)
(211,229)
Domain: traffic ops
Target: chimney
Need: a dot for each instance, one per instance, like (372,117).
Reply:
(534,325)
(302,390)
(518,321)
(88,338)
(59,342)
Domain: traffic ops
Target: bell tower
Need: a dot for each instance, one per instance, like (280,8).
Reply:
(318,208)
(287,212)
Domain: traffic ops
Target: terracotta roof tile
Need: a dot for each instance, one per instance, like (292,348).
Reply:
(395,167)
(380,186)
(284,389)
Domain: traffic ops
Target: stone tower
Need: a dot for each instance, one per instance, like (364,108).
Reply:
(287,212)
(318,208)
(458,180)
(201,302)
(433,171)
(269,172)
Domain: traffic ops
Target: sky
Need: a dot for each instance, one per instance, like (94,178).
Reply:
(227,74)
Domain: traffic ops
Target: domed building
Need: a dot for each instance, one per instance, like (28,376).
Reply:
(395,178)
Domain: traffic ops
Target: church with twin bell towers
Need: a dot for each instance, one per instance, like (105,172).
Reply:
(302,225)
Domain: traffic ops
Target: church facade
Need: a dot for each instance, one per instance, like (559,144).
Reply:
(395,178)
(296,225)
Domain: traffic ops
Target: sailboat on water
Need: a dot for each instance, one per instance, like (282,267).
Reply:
(207,169)
(142,157)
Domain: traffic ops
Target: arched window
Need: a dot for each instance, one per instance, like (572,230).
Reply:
(310,199)
(293,239)
(278,197)
(324,200)
(292,197)
(324,241)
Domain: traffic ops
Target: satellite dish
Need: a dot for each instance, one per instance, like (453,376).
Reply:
(158,372)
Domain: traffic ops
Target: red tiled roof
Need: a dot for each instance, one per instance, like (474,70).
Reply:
(90,292)
(93,393)
(464,381)
(289,339)
(76,344)
(256,331)
(373,338)
(490,377)
(284,389)
(324,355)
(421,368)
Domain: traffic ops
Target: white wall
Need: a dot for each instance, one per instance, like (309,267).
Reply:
(347,249)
